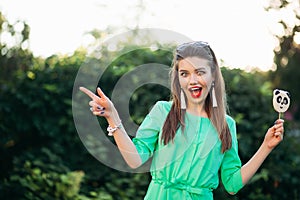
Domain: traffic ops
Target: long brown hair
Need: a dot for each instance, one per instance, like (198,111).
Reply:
(175,118)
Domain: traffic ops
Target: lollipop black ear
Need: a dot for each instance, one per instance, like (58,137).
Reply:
(276,91)
(287,93)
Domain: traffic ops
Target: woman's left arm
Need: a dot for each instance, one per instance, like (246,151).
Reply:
(273,137)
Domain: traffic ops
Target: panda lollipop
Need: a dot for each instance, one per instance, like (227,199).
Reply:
(281,101)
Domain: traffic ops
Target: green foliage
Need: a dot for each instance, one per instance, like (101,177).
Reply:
(39,181)
(42,156)
(14,58)
(287,55)
(250,104)
(45,177)
(146,95)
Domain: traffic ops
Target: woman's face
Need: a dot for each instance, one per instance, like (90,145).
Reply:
(195,79)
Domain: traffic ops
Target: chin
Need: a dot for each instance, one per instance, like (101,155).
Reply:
(195,101)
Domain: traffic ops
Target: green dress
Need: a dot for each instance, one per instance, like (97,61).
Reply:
(188,167)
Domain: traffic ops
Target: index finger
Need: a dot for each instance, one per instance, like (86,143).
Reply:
(89,93)
(278,121)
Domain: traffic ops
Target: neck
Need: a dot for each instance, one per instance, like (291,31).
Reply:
(197,109)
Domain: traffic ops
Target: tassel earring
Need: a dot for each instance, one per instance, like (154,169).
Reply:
(182,100)
(213,96)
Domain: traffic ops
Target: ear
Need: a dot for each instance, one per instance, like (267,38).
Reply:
(276,92)
(287,93)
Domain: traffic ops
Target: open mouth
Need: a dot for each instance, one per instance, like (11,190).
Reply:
(196,92)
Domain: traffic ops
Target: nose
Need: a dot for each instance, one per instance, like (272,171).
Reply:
(193,78)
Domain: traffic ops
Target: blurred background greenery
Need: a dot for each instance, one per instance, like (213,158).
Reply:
(42,156)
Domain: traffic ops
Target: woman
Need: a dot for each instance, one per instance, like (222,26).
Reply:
(190,138)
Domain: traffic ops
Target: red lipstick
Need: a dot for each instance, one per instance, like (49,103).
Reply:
(195,91)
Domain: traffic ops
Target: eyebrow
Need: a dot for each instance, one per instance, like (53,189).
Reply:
(200,68)
(196,69)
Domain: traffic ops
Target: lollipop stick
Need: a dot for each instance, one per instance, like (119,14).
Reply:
(279,115)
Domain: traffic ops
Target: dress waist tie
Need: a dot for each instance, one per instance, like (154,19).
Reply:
(182,186)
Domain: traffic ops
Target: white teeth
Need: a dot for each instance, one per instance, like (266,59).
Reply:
(193,89)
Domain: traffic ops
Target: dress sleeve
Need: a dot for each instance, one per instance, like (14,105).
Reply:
(147,134)
(231,164)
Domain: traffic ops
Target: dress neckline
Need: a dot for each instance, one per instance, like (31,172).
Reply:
(196,116)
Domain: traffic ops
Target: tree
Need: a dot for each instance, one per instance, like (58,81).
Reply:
(15,57)
(287,53)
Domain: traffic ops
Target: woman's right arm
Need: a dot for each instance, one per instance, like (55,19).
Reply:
(103,107)
(124,142)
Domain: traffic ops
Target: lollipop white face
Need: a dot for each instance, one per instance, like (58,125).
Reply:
(281,100)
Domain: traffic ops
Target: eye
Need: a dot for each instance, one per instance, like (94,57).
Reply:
(200,72)
(183,74)
(285,101)
(279,98)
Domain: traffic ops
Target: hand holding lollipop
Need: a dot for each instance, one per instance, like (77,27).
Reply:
(281,101)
